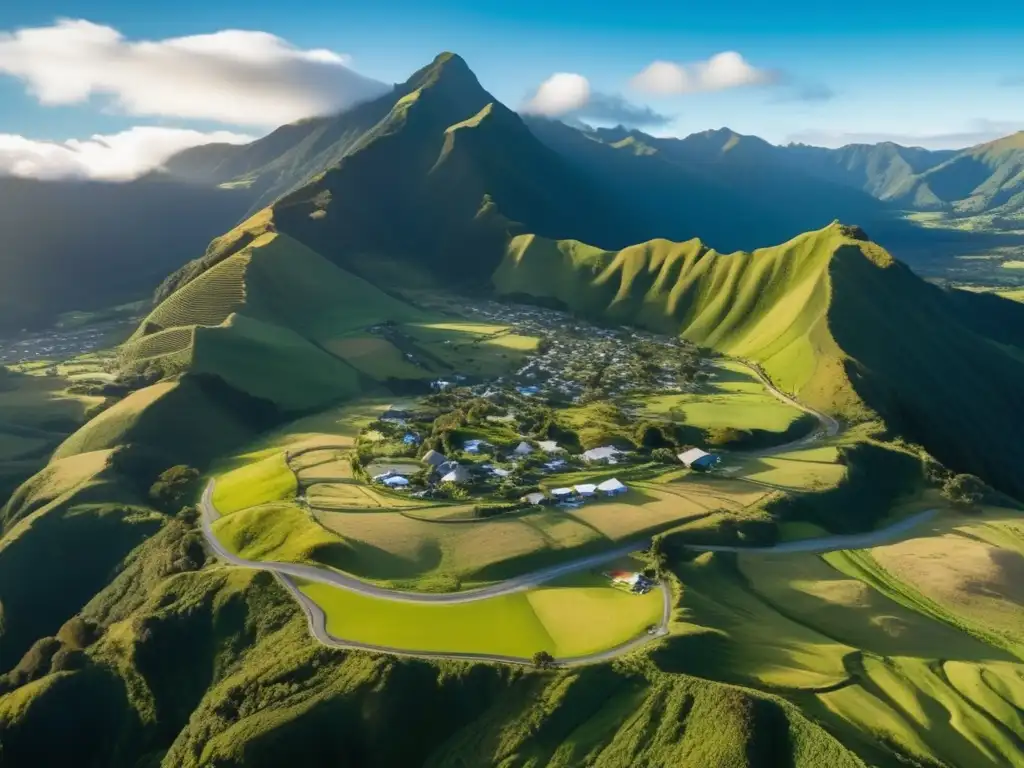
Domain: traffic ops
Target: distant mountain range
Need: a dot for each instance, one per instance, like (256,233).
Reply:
(438,152)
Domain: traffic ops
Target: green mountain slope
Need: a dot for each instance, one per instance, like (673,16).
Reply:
(986,178)
(731,191)
(885,170)
(260,320)
(831,316)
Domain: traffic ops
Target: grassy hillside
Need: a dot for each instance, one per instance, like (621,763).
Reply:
(830,316)
(987,179)
(264,320)
(223,671)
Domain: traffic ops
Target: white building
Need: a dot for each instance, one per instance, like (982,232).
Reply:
(612,487)
(606,453)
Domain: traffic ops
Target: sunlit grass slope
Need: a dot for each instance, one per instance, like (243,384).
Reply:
(831,317)
(264,320)
(770,305)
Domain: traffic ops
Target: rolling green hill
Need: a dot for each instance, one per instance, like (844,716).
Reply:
(260,320)
(831,317)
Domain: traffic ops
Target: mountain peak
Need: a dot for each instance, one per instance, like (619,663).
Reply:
(447,67)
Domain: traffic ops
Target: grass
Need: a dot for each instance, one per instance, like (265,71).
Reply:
(724,630)
(806,588)
(578,616)
(915,704)
(376,357)
(267,320)
(186,421)
(267,480)
(272,362)
(735,399)
(389,546)
(279,532)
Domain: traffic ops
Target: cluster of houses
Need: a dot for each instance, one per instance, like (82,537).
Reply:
(577,495)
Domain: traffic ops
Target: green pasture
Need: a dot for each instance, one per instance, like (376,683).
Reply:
(723,630)
(263,481)
(576,616)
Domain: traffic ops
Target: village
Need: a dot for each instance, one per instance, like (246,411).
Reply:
(577,361)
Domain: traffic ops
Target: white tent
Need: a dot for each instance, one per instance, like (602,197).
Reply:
(586,489)
(523,449)
(561,493)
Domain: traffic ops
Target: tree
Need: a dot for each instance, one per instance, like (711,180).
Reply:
(664,455)
(174,487)
(543,660)
(965,490)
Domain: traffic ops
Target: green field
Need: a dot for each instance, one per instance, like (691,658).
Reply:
(266,480)
(734,399)
(548,618)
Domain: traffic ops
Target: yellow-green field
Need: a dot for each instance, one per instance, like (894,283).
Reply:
(390,546)
(733,399)
(577,616)
(800,469)
(376,357)
(268,479)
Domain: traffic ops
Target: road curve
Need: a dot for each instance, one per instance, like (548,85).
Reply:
(317,622)
(338,579)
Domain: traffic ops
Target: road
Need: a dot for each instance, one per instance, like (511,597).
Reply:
(288,572)
(317,621)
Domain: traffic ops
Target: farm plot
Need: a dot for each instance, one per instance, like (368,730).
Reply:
(375,356)
(576,616)
(391,546)
(734,399)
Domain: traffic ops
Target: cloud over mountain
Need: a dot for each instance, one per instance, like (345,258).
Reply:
(233,76)
(722,71)
(116,157)
(569,95)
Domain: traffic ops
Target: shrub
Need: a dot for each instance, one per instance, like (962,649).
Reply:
(543,660)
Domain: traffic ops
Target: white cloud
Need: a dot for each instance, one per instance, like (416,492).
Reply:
(568,95)
(560,94)
(233,76)
(722,71)
(116,157)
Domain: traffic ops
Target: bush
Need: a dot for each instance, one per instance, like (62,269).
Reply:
(543,660)
(174,487)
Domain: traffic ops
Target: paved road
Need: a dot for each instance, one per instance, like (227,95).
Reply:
(345,581)
(832,543)
(829,424)
(288,572)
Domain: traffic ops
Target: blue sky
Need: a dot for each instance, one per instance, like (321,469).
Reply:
(928,73)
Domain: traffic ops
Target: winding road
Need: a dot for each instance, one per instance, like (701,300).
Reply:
(287,573)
